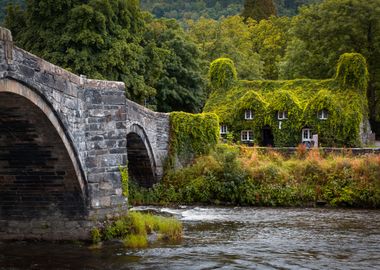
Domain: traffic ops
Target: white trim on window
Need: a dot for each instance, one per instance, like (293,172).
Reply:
(282,115)
(248,115)
(323,114)
(247,136)
(223,129)
(306,135)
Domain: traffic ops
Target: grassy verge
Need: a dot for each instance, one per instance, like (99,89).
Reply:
(245,176)
(135,228)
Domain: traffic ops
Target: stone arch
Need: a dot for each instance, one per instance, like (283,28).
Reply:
(42,163)
(141,160)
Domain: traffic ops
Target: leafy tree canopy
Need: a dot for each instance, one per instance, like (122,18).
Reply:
(229,37)
(213,9)
(259,9)
(112,40)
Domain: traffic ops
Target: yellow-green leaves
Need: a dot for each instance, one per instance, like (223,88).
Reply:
(352,72)
(222,74)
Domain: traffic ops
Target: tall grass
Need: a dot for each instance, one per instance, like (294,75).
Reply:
(246,176)
(134,229)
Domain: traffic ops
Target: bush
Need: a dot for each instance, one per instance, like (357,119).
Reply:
(245,176)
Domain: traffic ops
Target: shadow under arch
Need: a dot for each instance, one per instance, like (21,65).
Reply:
(141,161)
(40,175)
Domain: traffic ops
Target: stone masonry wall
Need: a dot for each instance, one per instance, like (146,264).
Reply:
(93,119)
(157,129)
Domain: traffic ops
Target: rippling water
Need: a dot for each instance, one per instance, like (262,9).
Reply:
(228,238)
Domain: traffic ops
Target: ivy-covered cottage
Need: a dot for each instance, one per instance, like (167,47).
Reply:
(287,113)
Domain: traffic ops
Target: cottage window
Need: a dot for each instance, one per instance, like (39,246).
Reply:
(323,114)
(223,129)
(306,135)
(248,115)
(247,136)
(281,115)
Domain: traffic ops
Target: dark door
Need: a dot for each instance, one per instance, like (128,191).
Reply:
(268,139)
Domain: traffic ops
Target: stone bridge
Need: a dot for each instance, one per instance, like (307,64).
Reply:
(62,140)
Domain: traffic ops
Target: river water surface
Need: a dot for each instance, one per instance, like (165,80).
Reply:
(228,238)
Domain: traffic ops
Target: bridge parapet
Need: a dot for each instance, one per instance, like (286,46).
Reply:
(94,121)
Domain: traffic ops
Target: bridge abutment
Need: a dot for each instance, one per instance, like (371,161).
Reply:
(91,120)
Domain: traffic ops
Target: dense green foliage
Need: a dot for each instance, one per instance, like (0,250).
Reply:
(323,32)
(192,135)
(134,229)
(114,40)
(270,39)
(213,9)
(302,100)
(245,176)
(190,9)
(176,62)
(259,9)
(222,74)
(4,4)
(229,37)
(352,72)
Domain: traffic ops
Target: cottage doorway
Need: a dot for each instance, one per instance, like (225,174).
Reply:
(268,139)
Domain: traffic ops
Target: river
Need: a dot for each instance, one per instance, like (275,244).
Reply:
(228,238)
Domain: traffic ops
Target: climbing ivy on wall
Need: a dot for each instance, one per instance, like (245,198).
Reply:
(222,74)
(342,98)
(352,72)
(192,135)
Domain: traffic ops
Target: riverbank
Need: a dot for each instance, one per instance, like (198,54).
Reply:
(237,175)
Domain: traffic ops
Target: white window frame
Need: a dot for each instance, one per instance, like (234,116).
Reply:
(247,136)
(310,136)
(223,129)
(323,114)
(248,115)
(282,115)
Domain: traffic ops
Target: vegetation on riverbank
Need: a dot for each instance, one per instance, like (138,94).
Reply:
(240,175)
(136,228)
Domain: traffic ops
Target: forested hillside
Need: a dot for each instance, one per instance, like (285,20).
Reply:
(214,9)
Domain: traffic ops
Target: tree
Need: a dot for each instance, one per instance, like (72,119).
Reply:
(325,31)
(270,40)
(259,9)
(180,83)
(231,38)
(98,38)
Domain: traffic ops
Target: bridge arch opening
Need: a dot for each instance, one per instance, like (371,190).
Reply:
(38,179)
(141,164)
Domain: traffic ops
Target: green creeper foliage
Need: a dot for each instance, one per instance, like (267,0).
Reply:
(222,74)
(352,72)
(302,100)
(192,135)
(323,32)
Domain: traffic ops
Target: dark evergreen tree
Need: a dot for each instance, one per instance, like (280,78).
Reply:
(259,9)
